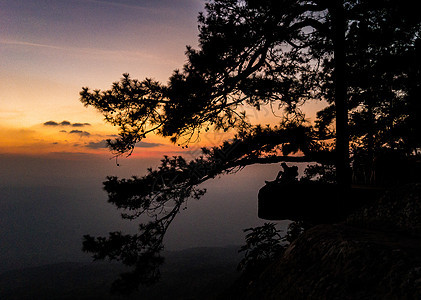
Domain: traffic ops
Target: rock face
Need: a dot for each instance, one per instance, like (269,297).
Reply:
(376,254)
(313,202)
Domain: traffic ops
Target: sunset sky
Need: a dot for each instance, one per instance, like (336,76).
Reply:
(52,155)
(51,49)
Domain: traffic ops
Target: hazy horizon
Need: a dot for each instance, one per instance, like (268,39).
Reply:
(48,204)
(53,156)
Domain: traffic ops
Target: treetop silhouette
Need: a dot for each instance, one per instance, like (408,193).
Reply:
(361,57)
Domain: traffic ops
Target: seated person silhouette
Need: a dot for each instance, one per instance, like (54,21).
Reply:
(288,175)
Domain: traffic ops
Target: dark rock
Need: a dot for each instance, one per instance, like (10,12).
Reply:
(311,201)
(340,262)
(376,254)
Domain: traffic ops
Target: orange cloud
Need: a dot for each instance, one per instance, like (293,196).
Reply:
(54,137)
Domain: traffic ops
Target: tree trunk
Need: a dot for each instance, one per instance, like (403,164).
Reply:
(343,173)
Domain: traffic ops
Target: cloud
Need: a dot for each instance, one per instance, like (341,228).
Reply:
(95,52)
(97,145)
(54,123)
(147,145)
(103,144)
(80,133)
(10,114)
(65,123)
(50,123)
(80,124)
(119,4)
(20,43)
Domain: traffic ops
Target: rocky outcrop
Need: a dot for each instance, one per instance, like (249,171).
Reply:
(375,254)
(311,201)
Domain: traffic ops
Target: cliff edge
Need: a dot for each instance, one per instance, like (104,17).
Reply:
(374,254)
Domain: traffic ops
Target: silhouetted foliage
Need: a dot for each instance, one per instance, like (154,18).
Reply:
(324,173)
(254,53)
(295,229)
(263,245)
(277,54)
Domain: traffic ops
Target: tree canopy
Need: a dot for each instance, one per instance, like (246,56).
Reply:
(274,53)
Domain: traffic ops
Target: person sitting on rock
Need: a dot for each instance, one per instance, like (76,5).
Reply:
(288,175)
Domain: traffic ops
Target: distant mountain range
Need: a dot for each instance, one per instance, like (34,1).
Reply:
(197,273)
